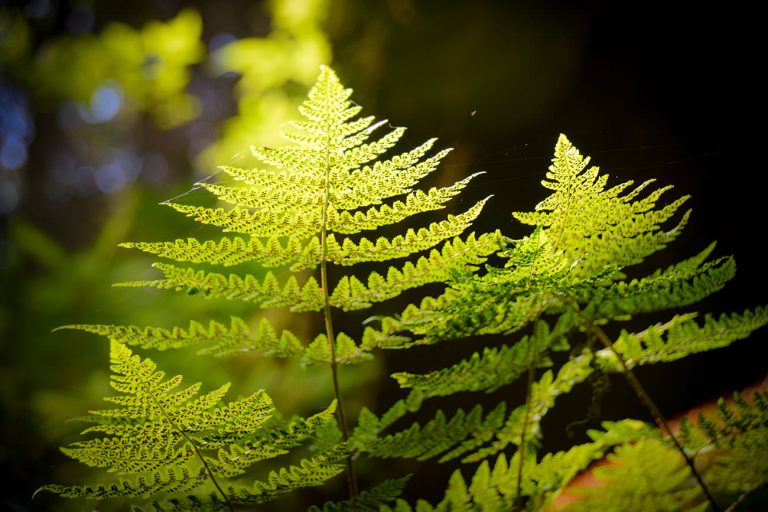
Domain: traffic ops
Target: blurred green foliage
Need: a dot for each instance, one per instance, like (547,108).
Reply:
(275,72)
(149,67)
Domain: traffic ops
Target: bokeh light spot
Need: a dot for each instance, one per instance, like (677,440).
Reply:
(13,153)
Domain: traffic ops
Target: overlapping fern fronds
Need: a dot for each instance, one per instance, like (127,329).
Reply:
(572,270)
(178,449)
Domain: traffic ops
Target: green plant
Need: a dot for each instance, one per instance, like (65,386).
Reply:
(297,211)
(567,283)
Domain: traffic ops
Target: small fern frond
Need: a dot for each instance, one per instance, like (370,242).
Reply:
(369,500)
(348,252)
(681,336)
(228,252)
(646,475)
(593,226)
(267,293)
(675,287)
(220,340)
(176,443)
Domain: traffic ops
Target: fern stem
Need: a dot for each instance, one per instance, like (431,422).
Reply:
(340,416)
(649,404)
(197,451)
(521,450)
(742,497)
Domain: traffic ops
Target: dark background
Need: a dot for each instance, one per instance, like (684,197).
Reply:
(648,90)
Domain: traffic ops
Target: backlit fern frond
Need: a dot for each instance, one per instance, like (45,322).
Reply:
(585,235)
(573,267)
(470,435)
(298,208)
(593,227)
(681,336)
(218,339)
(165,442)
(319,201)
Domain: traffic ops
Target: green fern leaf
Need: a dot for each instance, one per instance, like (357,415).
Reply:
(180,445)
(370,500)
(680,337)
(220,339)
(210,285)
(646,475)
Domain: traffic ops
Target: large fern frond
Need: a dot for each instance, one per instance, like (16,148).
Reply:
(300,205)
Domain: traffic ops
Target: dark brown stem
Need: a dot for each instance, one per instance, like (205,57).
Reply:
(646,400)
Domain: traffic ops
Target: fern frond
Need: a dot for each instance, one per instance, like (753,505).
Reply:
(369,500)
(351,294)
(415,202)
(221,340)
(267,293)
(302,253)
(594,226)
(646,475)
(180,446)
(673,288)
(349,253)
(681,336)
